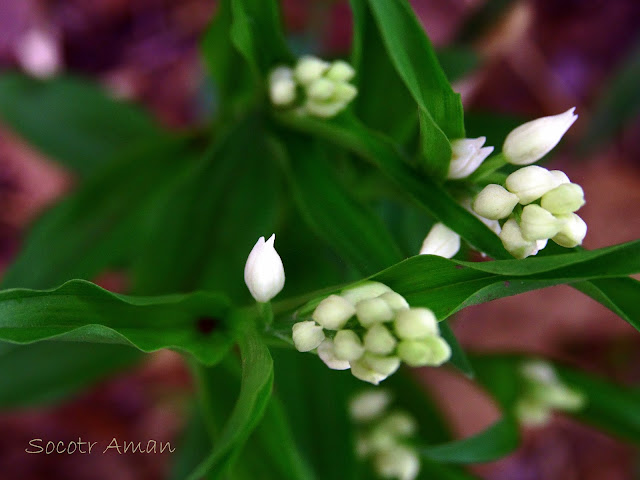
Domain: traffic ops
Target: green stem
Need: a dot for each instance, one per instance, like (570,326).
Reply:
(266,312)
(489,166)
(205,396)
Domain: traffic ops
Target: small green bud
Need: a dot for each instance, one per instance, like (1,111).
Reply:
(572,232)
(495,202)
(333,312)
(379,340)
(347,345)
(400,424)
(415,353)
(363,371)
(567,198)
(536,223)
(373,310)
(321,89)
(340,71)
(416,323)
(395,301)
(369,405)
(530,412)
(310,68)
(307,336)
(514,242)
(344,93)
(383,365)
(364,291)
(400,462)
(327,353)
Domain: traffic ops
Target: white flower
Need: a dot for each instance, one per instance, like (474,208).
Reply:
(264,272)
(495,202)
(467,155)
(531,141)
(282,87)
(513,241)
(416,323)
(369,405)
(566,198)
(333,312)
(327,353)
(572,232)
(536,223)
(307,335)
(347,345)
(530,183)
(441,241)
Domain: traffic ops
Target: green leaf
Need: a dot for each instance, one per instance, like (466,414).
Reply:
(255,390)
(98,225)
(200,323)
(355,232)
(495,442)
(457,62)
(458,357)
(620,295)
(51,371)
(73,121)
(430,469)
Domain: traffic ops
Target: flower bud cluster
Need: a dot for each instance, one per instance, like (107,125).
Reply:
(315,87)
(383,435)
(543,393)
(536,205)
(371,329)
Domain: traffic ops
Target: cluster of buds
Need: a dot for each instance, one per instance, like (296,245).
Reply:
(383,435)
(314,87)
(371,329)
(536,205)
(544,393)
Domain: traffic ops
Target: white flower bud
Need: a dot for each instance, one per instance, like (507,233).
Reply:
(381,440)
(310,68)
(467,155)
(441,241)
(379,340)
(400,424)
(532,413)
(400,463)
(539,371)
(344,93)
(327,353)
(363,371)
(514,243)
(560,177)
(333,312)
(323,109)
(264,272)
(433,351)
(347,345)
(369,405)
(560,397)
(494,225)
(538,224)
(340,71)
(364,291)
(572,232)
(440,350)
(307,335)
(282,87)
(567,198)
(383,365)
(321,89)
(416,323)
(531,141)
(373,310)
(395,301)
(495,202)
(530,183)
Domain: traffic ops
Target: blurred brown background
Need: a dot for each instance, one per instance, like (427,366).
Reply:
(540,58)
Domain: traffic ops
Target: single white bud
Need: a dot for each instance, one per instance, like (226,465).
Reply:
(494,225)
(347,345)
(327,353)
(382,440)
(441,241)
(401,463)
(560,177)
(416,323)
(395,301)
(344,93)
(572,232)
(566,198)
(307,335)
(340,71)
(539,371)
(369,405)
(536,223)
(321,89)
(531,141)
(363,371)
(440,350)
(310,68)
(466,156)
(282,87)
(495,202)
(364,291)
(400,424)
(532,413)
(530,183)
(323,109)
(513,241)
(373,310)
(379,340)
(433,351)
(381,364)
(333,312)
(264,272)
(560,397)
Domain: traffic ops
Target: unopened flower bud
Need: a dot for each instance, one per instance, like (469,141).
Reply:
(369,405)
(400,424)
(373,310)
(572,232)
(347,345)
(321,89)
(567,198)
(327,353)
(433,351)
(495,202)
(539,371)
(379,340)
(467,155)
(531,141)
(333,312)
(400,463)
(322,109)
(441,241)
(264,272)
(416,323)
(530,183)
(532,413)
(560,397)
(307,335)
(560,177)
(310,68)
(364,291)
(395,301)
(363,371)
(513,241)
(282,87)
(381,364)
(340,71)
(536,223)
(344,93)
